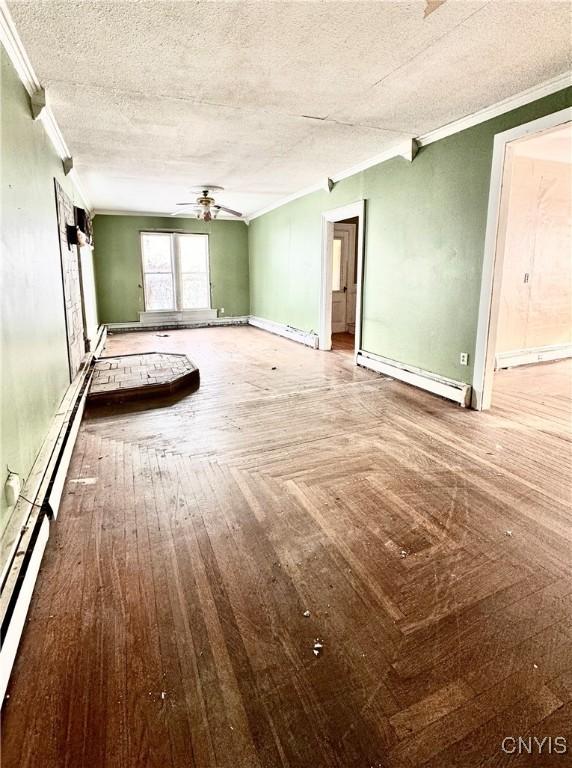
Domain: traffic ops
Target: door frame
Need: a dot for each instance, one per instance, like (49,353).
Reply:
(489,303)
(329,218)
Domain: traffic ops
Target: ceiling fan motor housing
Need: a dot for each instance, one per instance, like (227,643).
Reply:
(205,206)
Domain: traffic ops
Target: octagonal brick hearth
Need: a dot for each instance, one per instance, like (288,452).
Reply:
(151,374)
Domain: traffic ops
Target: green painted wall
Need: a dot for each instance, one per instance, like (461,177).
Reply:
(33,350)
(117,259)
(425,230)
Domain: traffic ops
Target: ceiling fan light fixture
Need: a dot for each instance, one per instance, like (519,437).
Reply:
(205,206)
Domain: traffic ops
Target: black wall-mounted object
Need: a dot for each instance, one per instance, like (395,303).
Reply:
(81,232)
(72,235)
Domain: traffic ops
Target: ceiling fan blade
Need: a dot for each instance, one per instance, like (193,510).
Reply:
(193,203)
(227,210)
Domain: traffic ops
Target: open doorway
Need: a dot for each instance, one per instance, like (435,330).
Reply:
(342,268)
(525,321)
(344,284)
(535,311)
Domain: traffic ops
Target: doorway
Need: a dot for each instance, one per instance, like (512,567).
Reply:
(344,283)
(342,270)
(525,307)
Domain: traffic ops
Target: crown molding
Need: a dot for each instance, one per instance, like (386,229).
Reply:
(500,108)
(287,199)
(401,149)
(11,41)
(14,46)
(160,215)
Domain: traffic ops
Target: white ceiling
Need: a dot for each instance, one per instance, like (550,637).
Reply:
(155,97)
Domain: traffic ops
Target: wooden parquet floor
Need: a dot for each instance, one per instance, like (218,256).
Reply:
(431,546)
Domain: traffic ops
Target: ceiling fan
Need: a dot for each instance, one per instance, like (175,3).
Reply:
(205,206)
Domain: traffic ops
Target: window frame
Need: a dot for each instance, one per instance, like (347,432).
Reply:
(144,272)
(176,271)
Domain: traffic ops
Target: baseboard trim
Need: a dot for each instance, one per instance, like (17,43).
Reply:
(56,485)
(13,632)
(28,531)
(174,326)
(533,355)
(457,391)
(100,341)
(310,339)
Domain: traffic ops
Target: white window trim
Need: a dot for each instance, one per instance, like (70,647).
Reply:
(175,270)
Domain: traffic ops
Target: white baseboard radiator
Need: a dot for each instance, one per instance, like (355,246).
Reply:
(457,391)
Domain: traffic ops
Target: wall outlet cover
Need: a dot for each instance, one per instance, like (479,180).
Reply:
(464,358)
(12,489)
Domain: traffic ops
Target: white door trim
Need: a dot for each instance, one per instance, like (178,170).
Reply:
(328,220)
(489,304)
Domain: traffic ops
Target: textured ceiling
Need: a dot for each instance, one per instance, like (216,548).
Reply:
(266,98)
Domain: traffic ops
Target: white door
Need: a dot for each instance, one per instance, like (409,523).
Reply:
(351,280)
(340,258)
(344,278)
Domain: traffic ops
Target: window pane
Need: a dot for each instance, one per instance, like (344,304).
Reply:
(156,253)
(337,265)
(193,250)
(159,291)
(194,291)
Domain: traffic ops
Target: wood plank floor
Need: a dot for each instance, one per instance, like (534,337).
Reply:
(431,546)
(343,341)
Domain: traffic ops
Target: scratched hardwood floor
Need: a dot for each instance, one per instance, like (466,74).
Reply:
(168,629)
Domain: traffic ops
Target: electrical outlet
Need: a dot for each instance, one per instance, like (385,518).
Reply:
(12,489)
(464,358)
(221,311)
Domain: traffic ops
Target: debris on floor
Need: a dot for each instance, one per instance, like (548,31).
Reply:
(318,647)
(306,613)
(274,367)
(162,335)
(508,533)
(403,553)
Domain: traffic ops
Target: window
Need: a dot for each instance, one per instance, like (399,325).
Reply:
(158,271)
(175,271)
